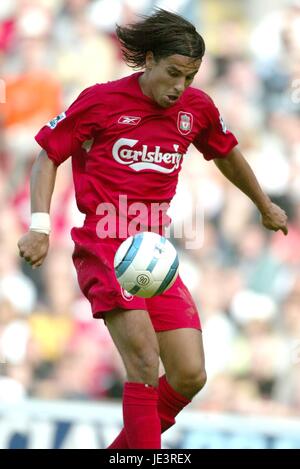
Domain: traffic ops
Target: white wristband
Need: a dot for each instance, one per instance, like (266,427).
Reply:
(40,222)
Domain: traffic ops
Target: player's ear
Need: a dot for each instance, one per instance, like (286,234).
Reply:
(149,60)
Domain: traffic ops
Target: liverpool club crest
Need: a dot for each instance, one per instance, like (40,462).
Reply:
(185,122)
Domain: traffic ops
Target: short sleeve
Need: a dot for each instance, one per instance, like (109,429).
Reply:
(214,140)
(64,135)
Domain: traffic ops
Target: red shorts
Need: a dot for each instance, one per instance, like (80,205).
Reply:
(93,260)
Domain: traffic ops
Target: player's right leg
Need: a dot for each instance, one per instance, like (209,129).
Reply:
(175,318)
(131,330)
(136,341)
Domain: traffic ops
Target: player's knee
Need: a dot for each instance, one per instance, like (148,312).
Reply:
(190,381)
(195,380)
(148,360)
(199,380)
(143,365)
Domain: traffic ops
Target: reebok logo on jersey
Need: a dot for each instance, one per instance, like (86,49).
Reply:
(129,120)
(142,158)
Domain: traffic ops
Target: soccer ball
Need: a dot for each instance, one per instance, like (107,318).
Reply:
(146,264)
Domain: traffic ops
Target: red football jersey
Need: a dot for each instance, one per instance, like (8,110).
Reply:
(124,144)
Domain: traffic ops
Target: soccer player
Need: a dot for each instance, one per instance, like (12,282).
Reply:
(128,138)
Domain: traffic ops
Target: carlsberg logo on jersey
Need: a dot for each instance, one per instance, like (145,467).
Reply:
(139,159)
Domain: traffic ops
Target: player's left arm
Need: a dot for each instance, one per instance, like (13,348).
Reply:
(236,169)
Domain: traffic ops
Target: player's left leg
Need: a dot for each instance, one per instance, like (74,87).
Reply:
(181,351)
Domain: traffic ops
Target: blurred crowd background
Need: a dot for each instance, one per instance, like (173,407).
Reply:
(245,280)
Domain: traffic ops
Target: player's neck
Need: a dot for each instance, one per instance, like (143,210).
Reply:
(144,85)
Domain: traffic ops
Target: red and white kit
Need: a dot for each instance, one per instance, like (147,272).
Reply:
(124,144)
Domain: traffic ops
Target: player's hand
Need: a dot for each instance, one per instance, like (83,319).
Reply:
(274,218)
(33,247)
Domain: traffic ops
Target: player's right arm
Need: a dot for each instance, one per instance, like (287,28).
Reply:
(33,246)
(60,138)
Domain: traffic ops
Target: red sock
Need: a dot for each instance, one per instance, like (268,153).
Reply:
(170,403)
(141,420)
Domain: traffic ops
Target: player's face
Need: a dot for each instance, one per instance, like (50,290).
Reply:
(165,80)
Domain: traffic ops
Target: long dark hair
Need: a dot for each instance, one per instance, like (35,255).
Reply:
(164,33)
